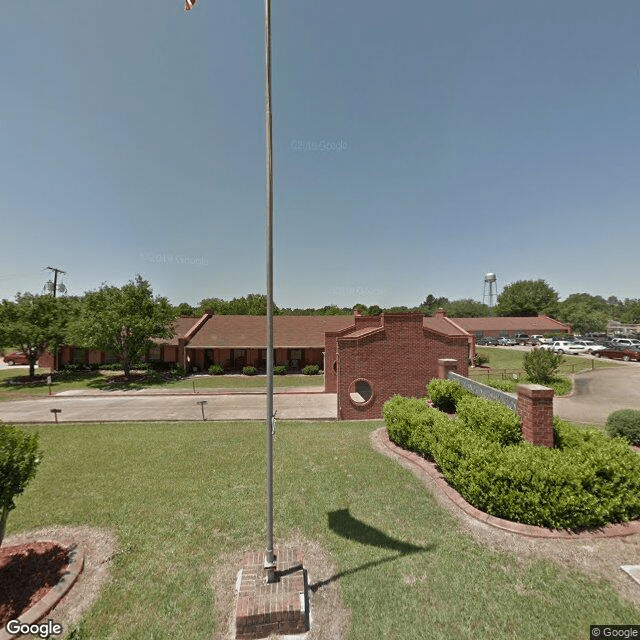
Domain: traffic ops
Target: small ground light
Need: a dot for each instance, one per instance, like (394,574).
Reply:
(202,403)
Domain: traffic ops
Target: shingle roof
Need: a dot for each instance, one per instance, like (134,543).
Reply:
(241,332)
(536,324)
(181,325)
(442,324)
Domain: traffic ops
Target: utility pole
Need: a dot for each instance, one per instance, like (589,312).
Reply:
(55,287)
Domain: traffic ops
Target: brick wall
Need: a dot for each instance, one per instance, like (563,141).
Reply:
(397,355)
(535,407)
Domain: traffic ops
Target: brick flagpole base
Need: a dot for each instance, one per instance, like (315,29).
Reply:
(279,608)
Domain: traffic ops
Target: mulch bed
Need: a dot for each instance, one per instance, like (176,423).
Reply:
(27,573)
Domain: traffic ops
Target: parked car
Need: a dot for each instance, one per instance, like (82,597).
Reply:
(537,339)
(522,338)
(16,358)
(626,342)
(620,353)
(506,342)
(590,345)
(565,346)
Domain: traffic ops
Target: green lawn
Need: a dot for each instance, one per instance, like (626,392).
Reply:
(179,495)
(104,381)
(505,368)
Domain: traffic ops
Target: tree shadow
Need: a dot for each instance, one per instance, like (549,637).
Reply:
(346,526)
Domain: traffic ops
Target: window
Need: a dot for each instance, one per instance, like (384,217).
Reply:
(360,392)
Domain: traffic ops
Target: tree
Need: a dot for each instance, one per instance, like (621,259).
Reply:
(541,365)
(185,309)
(585,312)
(254,304)
(631,313)
(467,309)
(19,458)
(33,324)
(123,320)
(527,298)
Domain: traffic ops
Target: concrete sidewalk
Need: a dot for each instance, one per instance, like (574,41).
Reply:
(133,406)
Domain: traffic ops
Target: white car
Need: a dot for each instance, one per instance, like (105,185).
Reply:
(565,346)
(626,342)
(590,346)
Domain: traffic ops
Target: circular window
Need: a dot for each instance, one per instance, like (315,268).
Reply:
(361,392)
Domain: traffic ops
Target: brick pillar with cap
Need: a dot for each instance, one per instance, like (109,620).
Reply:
(535,407)
(445,365)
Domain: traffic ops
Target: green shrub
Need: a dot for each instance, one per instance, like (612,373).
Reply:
(588,480)
(178,371)
(445,394)
(503,385)
(541,365)
(311,370)
(480,359)
(491,419)
(216,370)
(280,370)
(249,371)
(110,366)
(625,423)
(19,459)
(401,416)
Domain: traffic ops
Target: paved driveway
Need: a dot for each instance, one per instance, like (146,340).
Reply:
(126,407)
(599,392)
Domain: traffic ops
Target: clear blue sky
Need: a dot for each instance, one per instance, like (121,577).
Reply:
(417,146)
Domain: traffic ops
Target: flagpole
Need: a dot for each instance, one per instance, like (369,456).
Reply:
(270,559)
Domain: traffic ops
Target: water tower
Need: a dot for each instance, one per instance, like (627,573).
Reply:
(490,279)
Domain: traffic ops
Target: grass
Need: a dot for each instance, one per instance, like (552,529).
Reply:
(506,370)
(178,496)
(15,383)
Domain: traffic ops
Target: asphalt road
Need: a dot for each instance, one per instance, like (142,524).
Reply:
(136,407)
(599,392)
(596,394)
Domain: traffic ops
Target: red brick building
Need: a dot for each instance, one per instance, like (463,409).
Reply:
(380,356)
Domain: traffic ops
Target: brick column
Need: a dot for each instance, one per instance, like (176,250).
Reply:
(445,365)
(535,406)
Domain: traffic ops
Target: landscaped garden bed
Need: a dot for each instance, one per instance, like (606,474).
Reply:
(587,480)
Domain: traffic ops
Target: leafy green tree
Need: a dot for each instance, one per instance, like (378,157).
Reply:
(19,459)
(123,320)
(184,309)
(631,312)
(253,304)
(585,312)
(33,324)
(527,298)
(467,308)
(541,365)
(431,304)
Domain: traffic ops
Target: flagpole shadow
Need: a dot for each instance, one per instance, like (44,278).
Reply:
(346,526)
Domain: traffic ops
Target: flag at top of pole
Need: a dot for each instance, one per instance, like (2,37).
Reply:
(188,4)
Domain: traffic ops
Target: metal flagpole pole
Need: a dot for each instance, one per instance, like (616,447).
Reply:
(270,560)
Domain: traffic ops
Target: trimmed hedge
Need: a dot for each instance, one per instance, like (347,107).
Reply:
(493,420)
(216,370)
(311,370)
(445,394)
(588,480)
(280,370)
(625,423)
(250,371)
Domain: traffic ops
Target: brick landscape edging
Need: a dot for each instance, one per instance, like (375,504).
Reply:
(428,470)
(41,608)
